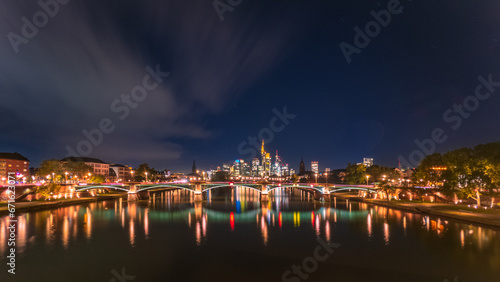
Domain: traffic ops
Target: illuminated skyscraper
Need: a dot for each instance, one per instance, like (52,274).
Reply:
(266,160)
(255,167)
(314,167)
(368,162)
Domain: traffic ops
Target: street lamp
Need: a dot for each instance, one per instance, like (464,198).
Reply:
(316,177)
(66,177)
(367,176)
(53,177)
(146,177)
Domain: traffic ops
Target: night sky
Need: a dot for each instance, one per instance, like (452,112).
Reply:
(226,77)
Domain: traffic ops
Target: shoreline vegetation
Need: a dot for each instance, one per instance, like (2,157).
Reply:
(488,217)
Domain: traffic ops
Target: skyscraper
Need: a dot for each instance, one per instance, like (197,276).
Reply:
(368,162)
(266,160)
(314,167)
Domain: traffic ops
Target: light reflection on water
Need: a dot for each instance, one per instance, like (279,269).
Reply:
(240,210)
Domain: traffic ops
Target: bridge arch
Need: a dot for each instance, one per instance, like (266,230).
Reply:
(354,188)
(296,186)
(145,188)
(228,185)
(86,188)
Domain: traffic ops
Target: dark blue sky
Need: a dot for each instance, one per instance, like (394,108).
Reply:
(225,78)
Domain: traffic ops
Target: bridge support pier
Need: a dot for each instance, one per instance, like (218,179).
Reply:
(264,197)
(198,196)
(132,197)
(318,196)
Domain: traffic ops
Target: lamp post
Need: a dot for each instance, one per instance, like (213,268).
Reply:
(66,177)
(316,177)
(53,177)
(146,177)
(367,176)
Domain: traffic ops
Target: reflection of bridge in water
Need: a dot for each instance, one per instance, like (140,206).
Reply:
(142,191)
(198,214)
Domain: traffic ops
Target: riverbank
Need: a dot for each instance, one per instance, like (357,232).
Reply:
(45,205)
(489,217)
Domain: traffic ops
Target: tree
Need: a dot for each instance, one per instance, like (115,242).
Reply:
(427,173)
(140,173)
(220,176)
(355,174)
(388,188)
(59,168)
(50,166)
(97,179)
(295,178)
(79,169)
(48,190)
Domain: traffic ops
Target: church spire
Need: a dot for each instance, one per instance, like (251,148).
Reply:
(193,169)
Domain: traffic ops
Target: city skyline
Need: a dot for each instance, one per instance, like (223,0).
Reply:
(380,104)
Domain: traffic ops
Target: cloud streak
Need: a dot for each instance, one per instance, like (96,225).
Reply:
(65,79)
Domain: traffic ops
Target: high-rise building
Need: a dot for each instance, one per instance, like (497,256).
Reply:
(266,160)
(226,168)
(314,167)
(255,167)
(237,168)
(368,162)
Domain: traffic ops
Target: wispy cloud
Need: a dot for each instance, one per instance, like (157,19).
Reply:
(65,78)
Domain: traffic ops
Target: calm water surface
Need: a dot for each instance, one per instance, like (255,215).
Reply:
(233,237)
